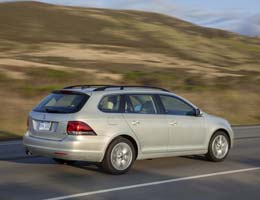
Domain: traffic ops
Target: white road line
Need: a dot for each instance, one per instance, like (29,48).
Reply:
(153,183)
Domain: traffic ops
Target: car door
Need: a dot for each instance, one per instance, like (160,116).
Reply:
(186,130)
(142,115)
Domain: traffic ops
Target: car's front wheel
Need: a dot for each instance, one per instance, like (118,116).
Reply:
(219,147)
(119,157)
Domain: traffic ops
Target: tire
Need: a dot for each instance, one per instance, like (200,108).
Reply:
(119,157)
(217,150)
(62,161)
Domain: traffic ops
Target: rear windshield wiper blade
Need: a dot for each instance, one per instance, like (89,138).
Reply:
(49,110)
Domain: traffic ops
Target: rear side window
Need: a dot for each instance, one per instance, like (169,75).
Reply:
(110,104)
(140,103)
(62,102)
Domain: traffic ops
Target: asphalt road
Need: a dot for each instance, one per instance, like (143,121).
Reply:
(238,177)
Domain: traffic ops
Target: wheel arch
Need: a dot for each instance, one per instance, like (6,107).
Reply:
(133,141)
(128,137)
(226,132)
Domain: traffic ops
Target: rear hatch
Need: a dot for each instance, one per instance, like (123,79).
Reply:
(49,119)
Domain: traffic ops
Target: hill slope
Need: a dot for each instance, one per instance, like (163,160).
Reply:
(32,22)
(43,47)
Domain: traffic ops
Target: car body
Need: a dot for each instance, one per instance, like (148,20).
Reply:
(156,122)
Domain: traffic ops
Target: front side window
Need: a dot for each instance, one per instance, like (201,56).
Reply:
(175,106)
(110,104)
(140,103)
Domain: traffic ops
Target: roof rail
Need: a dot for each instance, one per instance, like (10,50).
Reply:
(85,86)
(122,87)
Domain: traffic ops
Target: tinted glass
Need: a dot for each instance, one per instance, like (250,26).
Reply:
(139,103)
(175,106)
(62,103)
(110,104)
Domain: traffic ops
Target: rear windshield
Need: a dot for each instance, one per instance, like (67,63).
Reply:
(62,102)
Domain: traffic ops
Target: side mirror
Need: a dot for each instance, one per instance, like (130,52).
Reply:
(198,112)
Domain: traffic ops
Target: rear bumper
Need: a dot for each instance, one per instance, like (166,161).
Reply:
(84,148)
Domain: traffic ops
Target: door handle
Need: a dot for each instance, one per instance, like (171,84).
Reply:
(135,122)
(173,123)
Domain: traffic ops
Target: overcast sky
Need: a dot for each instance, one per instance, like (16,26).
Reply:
(241,16)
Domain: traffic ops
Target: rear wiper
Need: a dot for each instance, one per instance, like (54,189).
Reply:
(53,111)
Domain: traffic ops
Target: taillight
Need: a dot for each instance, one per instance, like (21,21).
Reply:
(79,128)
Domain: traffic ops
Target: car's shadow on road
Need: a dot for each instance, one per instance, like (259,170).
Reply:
(90,166)
(162,163)
(196,157)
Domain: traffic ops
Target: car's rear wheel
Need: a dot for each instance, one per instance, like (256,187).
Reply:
(219,146)
(119,157)
(62,161)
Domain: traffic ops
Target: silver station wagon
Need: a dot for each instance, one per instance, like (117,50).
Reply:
(115,125)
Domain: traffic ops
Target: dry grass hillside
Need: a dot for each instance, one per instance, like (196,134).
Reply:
(44,47)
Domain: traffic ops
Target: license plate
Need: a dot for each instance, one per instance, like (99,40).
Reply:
(44,126)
